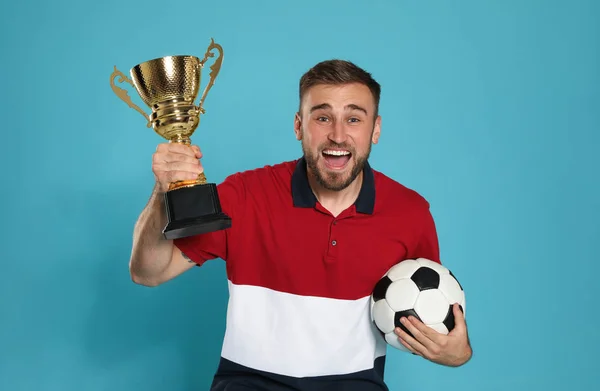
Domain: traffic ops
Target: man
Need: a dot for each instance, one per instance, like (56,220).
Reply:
(310,239)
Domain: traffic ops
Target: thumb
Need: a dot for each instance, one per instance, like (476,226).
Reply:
(197,151)
(460,326)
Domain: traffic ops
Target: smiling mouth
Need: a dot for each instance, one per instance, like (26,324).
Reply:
(336,158)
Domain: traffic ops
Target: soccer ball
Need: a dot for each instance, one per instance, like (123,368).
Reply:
(418,287)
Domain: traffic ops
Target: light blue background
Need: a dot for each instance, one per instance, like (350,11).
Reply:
(491,110)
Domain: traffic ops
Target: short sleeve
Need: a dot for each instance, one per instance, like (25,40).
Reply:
(427,245)
(212,245)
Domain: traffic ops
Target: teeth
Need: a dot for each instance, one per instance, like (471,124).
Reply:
(336,153)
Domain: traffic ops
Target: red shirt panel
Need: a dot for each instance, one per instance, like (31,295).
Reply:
(282,239)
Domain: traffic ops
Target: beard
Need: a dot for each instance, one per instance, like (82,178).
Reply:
(335,181)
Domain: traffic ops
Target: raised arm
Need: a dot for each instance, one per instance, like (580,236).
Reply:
(154,259)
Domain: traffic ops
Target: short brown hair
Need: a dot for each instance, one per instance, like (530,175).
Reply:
(336,72)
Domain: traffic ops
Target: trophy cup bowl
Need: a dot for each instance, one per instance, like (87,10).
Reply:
(169,86)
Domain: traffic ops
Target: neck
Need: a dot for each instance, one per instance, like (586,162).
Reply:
(336,201)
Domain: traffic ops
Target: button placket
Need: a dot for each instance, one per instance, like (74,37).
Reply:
(332,248)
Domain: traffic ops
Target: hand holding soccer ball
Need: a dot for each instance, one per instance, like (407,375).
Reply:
(419,307)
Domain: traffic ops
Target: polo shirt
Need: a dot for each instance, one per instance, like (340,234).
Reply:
(300,279)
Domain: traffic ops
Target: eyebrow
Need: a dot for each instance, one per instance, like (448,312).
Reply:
(328,106)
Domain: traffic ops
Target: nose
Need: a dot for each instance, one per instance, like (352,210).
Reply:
(337,133)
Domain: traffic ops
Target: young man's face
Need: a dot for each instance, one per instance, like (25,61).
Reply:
(337,125)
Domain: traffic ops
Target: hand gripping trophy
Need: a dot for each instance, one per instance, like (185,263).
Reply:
(169,86)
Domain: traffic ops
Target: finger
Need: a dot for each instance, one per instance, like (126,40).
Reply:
(195,168)
(174,176)
(165,175)
(410,348)
(430,336)
(167,157)
(419,331)
(415,345)
(179,148)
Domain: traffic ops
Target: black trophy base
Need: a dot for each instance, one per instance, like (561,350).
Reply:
(193,211)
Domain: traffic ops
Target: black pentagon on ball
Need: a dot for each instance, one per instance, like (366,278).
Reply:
(381,288)
(426,278)
(449,320)
(406,314)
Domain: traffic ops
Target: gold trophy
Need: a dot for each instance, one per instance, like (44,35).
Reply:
(169,86)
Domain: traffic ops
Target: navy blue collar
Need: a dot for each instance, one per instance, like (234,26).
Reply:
(304,197)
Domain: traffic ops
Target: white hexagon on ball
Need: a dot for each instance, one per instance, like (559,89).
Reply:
(402,270)
(451,289)
(383,316)
(432,306)
(402,294)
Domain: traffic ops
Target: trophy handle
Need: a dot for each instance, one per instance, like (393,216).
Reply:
(121,93)
(214,69)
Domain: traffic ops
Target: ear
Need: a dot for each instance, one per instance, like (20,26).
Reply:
(298,126)
(376,130)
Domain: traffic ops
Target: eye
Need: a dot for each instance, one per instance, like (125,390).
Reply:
(354,119)
(322,119)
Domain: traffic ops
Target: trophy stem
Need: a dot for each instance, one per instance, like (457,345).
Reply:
(201,180)
(181,139)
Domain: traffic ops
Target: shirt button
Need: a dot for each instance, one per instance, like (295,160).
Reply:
(334,243)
